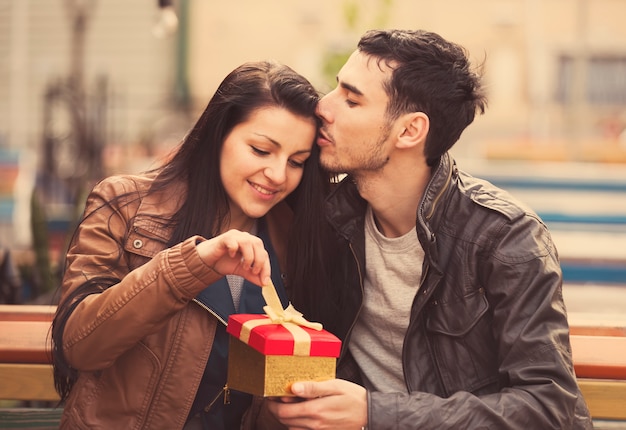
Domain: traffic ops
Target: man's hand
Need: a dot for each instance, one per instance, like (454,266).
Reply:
(334,404)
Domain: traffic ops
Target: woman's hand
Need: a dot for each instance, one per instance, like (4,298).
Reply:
(237,253)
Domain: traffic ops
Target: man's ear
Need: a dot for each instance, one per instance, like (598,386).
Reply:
(414,131)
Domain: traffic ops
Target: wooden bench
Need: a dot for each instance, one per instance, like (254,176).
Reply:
(599,353)
(25,371)
(25,360)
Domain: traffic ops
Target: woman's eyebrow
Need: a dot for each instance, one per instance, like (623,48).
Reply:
(277,144)
(273,141)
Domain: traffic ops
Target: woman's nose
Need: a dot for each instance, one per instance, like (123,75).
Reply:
(277,173)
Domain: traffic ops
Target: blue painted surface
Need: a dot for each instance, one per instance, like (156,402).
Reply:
(605,274)
(557,184)
(584,207)
(556,217)
(607,217)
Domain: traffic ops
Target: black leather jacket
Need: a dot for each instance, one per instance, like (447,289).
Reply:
(487,346)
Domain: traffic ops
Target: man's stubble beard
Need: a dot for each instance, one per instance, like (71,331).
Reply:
(369,161)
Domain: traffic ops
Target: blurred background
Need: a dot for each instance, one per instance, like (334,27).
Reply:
(90,88)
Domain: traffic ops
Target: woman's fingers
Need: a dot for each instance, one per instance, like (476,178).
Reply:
(239,253)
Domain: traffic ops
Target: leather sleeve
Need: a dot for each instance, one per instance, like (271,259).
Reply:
(105,325)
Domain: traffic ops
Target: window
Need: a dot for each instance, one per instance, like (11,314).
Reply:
(604,80)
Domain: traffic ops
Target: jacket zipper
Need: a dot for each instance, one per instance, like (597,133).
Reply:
(225,390)
(211,311)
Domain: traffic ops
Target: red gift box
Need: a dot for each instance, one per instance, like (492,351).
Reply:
(266,357)
(268,338)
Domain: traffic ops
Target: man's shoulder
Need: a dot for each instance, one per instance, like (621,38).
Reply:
(490,198)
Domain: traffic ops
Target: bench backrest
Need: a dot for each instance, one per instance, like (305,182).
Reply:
(599,354)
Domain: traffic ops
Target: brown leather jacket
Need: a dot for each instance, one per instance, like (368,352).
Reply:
(142,345)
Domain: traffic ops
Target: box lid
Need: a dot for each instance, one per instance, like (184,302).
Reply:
(269,338)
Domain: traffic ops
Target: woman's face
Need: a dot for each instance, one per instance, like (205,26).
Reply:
(262,161)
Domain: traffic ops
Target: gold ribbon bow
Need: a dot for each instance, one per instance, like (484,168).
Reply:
(278,315)
(289,318)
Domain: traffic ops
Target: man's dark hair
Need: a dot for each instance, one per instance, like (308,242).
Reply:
(430,75)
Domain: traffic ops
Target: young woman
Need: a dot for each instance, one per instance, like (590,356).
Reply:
(159,261)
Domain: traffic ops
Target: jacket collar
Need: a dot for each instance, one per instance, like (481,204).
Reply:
(434,201)
(345,208)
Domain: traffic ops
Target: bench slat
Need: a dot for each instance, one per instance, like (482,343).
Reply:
(27,312)
(24,342)
(590,330)
(606,399)
(600,357)
(27,382)
(30,418)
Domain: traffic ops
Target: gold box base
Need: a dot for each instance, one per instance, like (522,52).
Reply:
(272,375)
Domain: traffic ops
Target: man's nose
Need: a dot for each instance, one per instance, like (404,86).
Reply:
(322,109)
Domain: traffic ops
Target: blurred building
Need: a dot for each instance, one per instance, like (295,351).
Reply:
(555,70)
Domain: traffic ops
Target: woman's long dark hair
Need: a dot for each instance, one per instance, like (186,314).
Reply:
(205,210)
(246,89)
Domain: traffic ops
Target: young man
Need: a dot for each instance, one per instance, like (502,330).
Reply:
(447,291)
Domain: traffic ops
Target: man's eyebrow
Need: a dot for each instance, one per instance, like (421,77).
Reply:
(350,88)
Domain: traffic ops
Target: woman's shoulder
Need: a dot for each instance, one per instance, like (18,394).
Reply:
(116,185)
(141,190)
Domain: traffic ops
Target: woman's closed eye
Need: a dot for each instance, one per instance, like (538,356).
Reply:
(293,162)
(296,163)
(259,151)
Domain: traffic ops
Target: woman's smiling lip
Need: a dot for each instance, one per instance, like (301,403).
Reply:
(267,192)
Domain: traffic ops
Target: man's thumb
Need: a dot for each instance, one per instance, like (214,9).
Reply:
(303,389)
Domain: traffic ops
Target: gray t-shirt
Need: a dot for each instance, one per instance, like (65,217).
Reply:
(393,272)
